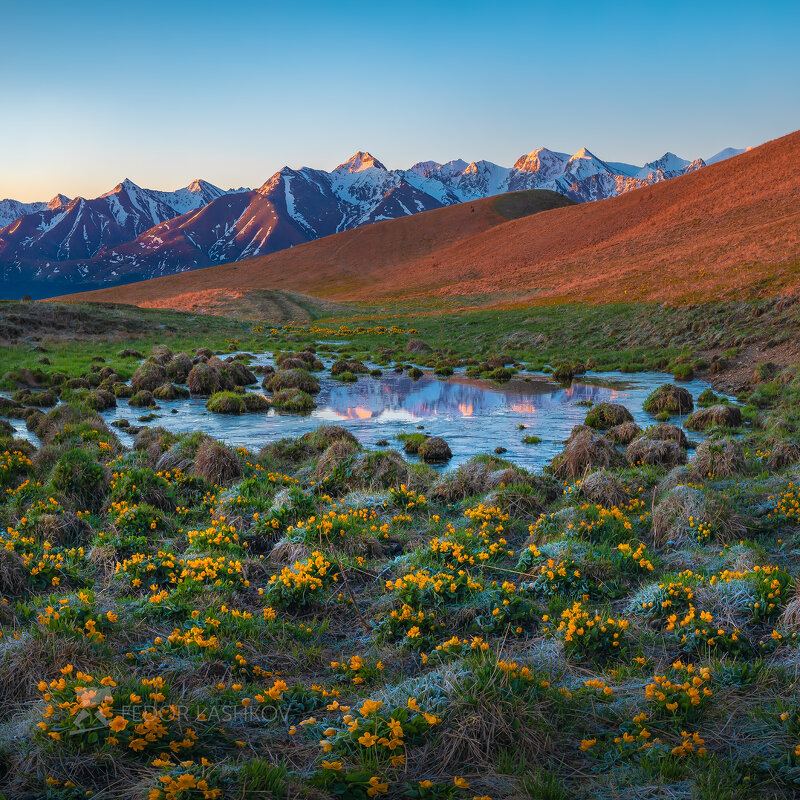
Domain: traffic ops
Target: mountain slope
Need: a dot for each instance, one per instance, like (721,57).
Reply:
(729,229)
(132,233)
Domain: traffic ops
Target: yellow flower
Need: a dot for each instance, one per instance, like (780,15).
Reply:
(367,739)
(118,724)
(462,783)
(376,787)
(335,765)
(370,707)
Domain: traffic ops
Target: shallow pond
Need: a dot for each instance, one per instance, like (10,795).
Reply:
(474,416)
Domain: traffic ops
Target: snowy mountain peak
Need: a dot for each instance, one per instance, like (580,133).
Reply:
(273,181)
(540,159)
(127,185)
(584,154)
(136,233)
(728,152)
(59,201)
(669,162)
(424,168)
(668,166)
(199,185)
(584,164)
(359,162)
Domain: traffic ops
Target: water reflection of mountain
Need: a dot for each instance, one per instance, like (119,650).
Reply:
(398,397)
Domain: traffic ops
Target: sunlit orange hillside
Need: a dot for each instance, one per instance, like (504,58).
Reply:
(729,229)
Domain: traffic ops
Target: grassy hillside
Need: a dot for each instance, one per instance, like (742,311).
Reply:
(730,230)
(314,618)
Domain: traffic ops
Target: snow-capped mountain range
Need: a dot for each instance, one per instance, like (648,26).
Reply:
(131,233)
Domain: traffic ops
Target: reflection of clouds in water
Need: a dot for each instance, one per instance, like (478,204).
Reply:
(473,416)
(429,397)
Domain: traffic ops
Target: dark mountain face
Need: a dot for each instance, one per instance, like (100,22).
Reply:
(133,234)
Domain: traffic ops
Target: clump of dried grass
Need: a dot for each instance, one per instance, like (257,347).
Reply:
(665,432)
(286,552)
(724,416)
(624,434)
(670,399)
(338,453)
(680,507)
(216,463)
(482,720)
(607,415)
(718,458)
(790,616)
(64,530)
(604,488)
(13,575)
(655,452)
(783,454)
(585,451)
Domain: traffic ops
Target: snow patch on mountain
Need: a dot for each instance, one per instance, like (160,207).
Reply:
(132,233)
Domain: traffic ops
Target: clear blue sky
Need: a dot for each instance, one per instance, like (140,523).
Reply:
(163,92)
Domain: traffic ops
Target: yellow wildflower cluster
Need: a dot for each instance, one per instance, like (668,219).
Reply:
(302,582)
(342,330)
(180,785)
(337,524)
(406,498)
(671,595)
(424,587)
(692,744)
(698,628)
(385,733)
(680,697)
(93,713)
(220,533)
(12,462)
(637,555)
(357,670)
(77,615)
(586,634)
(786,506)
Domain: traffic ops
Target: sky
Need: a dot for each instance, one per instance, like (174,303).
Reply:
(165,92)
